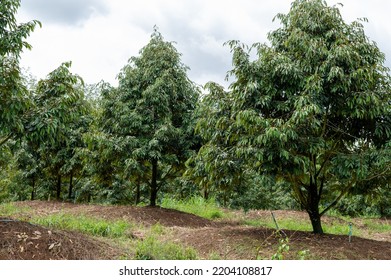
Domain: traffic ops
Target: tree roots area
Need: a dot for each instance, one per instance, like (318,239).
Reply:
(229,238)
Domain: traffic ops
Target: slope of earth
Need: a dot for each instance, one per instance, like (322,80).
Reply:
(219,239)
(24,241)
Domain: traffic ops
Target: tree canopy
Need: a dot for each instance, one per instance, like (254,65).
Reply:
(151,113)
(13,94)
(312,109)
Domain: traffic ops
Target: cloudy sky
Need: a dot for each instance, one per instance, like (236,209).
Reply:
(99,36)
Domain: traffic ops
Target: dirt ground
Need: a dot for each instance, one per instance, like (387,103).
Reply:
(24,241)
(212,239)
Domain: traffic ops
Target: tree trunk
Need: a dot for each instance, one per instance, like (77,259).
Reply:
(154,187)
(70,186)
(58,187)
(33,191)
(206,193)
(138,194)
(313,209)
(316,222)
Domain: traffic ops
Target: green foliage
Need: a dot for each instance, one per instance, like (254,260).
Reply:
(14,100)
(147,119)
(312,111)
(58,118)
(283,249)
(303,254)
(12,34)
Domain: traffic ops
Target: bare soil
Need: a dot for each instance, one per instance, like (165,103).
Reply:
(24,241)
(212,239)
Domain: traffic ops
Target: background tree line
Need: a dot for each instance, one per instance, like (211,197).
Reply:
(305,125)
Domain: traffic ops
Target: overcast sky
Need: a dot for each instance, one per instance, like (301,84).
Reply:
(99,36)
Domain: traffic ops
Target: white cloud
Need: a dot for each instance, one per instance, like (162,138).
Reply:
(66,12)
(100,35)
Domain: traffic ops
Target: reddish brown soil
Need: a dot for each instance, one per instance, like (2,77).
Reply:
(24,241)
(143,215)
(221,239)
(252,243)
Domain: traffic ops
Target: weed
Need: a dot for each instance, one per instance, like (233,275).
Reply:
(282,250)
(302,255)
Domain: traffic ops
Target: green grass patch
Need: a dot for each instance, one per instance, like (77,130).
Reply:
(153,249)
(339,228)
(196,205)
(10,209)
(377,226)
(288,224)
(95,227)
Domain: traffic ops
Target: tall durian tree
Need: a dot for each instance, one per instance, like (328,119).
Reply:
(313,110)
(151,114)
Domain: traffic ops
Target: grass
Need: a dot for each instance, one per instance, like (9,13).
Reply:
(377,226)
(288,224)
(153,249)
(196,205)
(338,228)
(94,227)
(9,209)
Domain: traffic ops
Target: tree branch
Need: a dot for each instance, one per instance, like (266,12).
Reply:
(336,200)
(164,177)
(5,140)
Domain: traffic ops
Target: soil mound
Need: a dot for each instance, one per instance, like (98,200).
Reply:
(24,241)
(143,215)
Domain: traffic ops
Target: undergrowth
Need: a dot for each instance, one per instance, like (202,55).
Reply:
(10,209)
(153,249)
(195,205)
(95,227)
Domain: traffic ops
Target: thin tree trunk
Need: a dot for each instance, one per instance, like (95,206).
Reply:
(70,186)
(154,187)
(58,187)
(33,191)
(138,194)
(206,193)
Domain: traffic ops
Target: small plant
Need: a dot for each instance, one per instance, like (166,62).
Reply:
(283,249)
(302,255)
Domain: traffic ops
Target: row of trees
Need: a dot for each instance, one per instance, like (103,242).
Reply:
(309,118)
